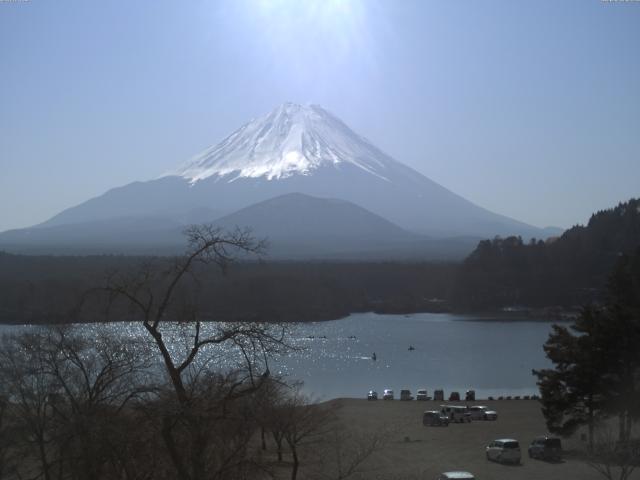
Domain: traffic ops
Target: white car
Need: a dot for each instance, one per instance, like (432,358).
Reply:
(480,412)
(387,394)
(456,476)
(504,450)
(456,413)
(421,394)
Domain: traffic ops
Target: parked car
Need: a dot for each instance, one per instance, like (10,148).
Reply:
(480,412)
(470,396)
(504,450)
(438,395)
(454,397)
(456,413)
(456,476)
(406,395)
(372,395)
(421,394)
(546,448)
(434,418)
(387,394)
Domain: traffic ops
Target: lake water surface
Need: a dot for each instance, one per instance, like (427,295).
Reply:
(453,352)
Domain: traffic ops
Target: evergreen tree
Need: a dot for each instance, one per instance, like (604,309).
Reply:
(596,360)
(572,391)
(623,304)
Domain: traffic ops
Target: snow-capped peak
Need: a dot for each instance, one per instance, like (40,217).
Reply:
(291,140)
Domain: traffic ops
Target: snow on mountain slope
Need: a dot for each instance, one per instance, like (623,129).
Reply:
(292,139)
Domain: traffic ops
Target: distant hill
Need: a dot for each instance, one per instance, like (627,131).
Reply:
(296,217)
(125,235)
(570,270)
(296,226)
(302,226)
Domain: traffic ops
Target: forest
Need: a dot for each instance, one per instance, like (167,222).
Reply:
(568,271)
(563,273)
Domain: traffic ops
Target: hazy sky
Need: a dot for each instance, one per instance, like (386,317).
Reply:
(530,109)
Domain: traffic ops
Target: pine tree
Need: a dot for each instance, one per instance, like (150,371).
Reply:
(596,360)
(572,393)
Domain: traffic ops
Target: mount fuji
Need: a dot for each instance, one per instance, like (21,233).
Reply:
(293,149)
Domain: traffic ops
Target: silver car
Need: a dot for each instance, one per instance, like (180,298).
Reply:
(434,418)
(504,450)
(480,412)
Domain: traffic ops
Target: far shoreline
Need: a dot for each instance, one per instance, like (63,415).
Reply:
(543,315)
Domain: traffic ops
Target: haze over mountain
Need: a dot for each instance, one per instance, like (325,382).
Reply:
(301,226)
(296,226)
(293,149)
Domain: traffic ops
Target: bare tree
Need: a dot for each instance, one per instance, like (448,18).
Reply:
(65,393)
(7,463)
(28,392)
(95,379)
(268,405)
(166,300)
(300,423)
(613,459)
(344,453)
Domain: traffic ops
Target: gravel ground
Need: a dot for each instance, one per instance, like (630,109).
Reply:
(414,451)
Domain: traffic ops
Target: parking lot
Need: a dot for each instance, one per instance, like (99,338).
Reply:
(415,451)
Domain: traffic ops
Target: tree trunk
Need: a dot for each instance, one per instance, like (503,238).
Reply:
(591,423)
(198,447)
(182,398)
(172,371)
(296,463)
(278,440)
(174,454)
(621,427)
(43,459)
(629,425)
(264,441)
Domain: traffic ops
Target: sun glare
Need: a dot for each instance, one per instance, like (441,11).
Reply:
(334,24)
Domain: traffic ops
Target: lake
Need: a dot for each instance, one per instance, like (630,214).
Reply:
(453,352)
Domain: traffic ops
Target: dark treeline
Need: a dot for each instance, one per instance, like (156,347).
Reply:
(568,271)
(48,289)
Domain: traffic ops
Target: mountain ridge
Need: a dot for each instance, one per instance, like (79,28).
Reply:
(306,150)
(296,226)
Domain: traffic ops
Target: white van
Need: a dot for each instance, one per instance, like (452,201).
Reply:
(456,413)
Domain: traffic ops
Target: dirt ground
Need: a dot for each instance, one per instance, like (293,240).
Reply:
(417,452)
